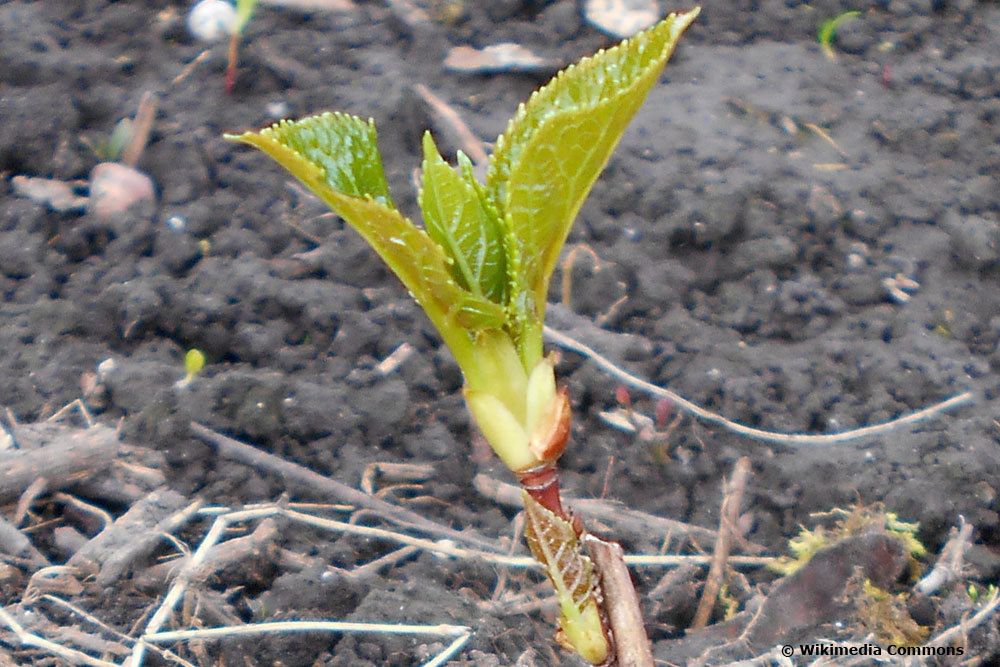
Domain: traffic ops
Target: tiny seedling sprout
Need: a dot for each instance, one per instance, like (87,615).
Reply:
(211,20)
(194,362)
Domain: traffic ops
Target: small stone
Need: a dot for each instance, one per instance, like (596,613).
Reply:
(116,188)
(211,20)
(824,208)
(434,442)
(975,240)
(773,252)
(621,18)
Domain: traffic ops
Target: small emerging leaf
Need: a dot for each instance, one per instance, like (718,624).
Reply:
(336,156)
(554,148)
(471,234)
(343,148)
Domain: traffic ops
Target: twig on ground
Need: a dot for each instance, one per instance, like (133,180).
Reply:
(110,630)
(949,563)
(127,481)
(53,579)
(602,510)
(133,535)
(248,547)
(825,136)
(191,568)
(186,72)
(612,310)
(141,127)
(517,532)
(164,612)
(621,602)
(85,507)
(64,411)
(623,376)
(460,633)
(305,626)
(373,567)
(523,604)
(34,491)
(29,639)
(728,517)
(394,472)
(452,124)
(234,450)
(69,454)
(989,607)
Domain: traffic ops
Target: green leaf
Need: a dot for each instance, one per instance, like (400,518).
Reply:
(336,156)
(343,148)
(556,145)
(470,233)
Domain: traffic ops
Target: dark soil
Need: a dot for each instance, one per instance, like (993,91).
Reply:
(746,228)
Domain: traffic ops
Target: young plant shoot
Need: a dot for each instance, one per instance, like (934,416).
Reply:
(481,264)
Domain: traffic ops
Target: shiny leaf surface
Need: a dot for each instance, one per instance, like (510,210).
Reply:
(556,145)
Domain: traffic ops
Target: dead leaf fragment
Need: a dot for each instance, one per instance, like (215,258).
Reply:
(58,195)
(503,57)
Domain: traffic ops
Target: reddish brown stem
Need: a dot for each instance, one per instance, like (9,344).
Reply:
(542,484)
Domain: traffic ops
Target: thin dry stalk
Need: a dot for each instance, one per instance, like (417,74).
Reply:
(190,67)
(288,627)
(234,450)
(110,630)
(389,560)
(34,491)
(989,608)
(470,143)
(623,376)
(729,516)
(28,639)
(221,556)
(949,564)
(394,472)
(67,455)
(85,507)
(141,127)
(134,535)
(460,633)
